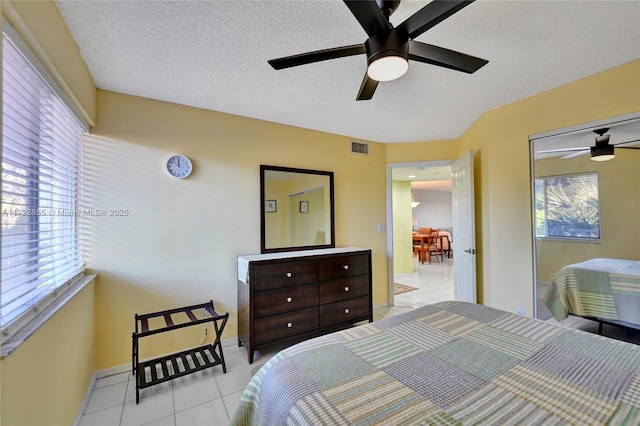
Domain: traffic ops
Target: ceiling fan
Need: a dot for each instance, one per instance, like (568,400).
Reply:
(390,48)
(601,151)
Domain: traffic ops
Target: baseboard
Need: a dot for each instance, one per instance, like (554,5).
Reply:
(85,400)
(119,369)
(381,305)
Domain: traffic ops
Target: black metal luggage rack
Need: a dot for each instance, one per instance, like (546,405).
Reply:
(169,367)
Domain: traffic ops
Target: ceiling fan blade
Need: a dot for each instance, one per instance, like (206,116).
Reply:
(367,88)
(627,147)
(317,56)
(576,154)
(369,15)
(430,15)
(442,57)
(624,143)
(549,151)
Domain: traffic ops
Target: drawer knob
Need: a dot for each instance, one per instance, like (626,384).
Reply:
(289,324)
(345,267)
(346,311)
(289,299)
(289,274)
(346,289)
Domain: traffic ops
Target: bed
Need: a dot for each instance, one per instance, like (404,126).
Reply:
(606,290)
(453,363)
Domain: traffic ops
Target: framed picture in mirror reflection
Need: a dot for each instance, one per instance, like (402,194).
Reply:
(270,206)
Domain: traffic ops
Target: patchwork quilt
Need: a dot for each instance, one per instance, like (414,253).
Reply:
(600,288)
(452,363)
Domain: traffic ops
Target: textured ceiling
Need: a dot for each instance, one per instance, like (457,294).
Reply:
(213,55)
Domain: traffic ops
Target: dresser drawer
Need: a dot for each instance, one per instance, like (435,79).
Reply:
(338,267)
(285,299)
(272,275)
(344,311)
(280,326)
(348,288)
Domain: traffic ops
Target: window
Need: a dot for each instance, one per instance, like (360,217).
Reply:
(567,206)
(41,187)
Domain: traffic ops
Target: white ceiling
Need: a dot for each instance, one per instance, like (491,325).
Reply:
(213,55)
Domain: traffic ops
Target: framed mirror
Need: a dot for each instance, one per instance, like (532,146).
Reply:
(296,209)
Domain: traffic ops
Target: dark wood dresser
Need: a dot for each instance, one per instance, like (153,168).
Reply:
(289,297)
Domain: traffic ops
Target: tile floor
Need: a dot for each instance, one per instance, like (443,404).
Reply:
(210,397)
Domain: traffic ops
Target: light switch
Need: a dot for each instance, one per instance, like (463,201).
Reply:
(380,227)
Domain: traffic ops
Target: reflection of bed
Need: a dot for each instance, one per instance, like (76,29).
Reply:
(607,290)
(449,363)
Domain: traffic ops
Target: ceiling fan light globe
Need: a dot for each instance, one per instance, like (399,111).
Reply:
(602,153)
(603,157)
(387,68)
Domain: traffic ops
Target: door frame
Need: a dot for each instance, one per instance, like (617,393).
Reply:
(390,167)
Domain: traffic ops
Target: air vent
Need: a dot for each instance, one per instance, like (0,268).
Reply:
(359,148)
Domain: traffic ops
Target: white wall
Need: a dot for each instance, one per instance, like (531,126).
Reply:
(434,210)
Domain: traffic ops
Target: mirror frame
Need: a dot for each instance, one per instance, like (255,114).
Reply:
(263,249)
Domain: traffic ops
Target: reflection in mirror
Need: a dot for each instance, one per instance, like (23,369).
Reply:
(584,208)
(297,209)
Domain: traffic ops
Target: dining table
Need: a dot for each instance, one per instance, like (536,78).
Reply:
(423,240)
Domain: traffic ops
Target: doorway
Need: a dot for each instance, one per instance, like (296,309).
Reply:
(421,195)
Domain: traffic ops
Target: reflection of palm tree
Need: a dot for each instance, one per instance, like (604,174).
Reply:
(572,207)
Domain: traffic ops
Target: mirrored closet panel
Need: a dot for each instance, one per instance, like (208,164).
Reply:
(585,184)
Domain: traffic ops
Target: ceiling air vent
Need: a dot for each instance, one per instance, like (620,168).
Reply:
(359,148)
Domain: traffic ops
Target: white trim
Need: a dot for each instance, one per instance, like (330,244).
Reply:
(381,305)
(11,344)
(85,401)
(120,369)
(585,126)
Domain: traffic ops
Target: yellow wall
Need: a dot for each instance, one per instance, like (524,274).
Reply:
(500,142)
(180,241)
(422,151)
(402,243)
(44,381)
(619,200)
(40,25)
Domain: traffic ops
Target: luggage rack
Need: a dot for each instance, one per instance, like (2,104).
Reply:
(158,370)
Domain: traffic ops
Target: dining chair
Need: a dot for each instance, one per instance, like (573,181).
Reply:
(421,246)
(435,245)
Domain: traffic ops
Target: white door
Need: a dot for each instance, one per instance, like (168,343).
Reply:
(464,240)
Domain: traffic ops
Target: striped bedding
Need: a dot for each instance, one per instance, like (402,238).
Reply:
(608,289)
(452,363)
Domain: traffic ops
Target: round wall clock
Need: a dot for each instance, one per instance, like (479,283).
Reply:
(179,166)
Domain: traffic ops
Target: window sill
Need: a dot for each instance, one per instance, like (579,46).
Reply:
(11,344)
(570,239)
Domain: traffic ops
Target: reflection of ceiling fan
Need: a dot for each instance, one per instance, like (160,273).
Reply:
(389,49)
(601,151)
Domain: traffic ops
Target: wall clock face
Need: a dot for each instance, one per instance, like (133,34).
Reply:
(179,166)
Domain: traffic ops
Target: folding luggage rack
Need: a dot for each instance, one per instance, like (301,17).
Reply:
(165,368)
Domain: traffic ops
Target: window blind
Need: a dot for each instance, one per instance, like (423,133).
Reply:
(567,206)
(41,191)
